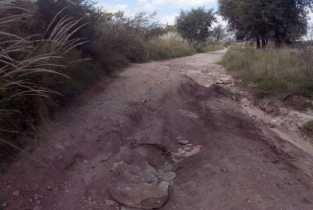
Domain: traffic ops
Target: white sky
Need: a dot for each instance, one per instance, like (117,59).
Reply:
(166,10)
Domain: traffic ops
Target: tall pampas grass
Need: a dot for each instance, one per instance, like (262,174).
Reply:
(26,59)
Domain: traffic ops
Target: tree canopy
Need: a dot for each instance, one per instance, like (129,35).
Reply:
(194,25)
(280,21)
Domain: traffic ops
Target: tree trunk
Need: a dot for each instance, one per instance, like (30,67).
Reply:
(264,43)
(278,42)
(258,43)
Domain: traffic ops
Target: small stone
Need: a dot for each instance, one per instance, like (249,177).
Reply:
(49,188)
(16,193)
(183,142)
(189,114)
(220,82)
(181,151)
(4,204)
(170,176)
(110,202)
(150,175)
(150,178)
(195,150)
(188,148)
(167,167)
(224,82)
(164,186)
(272,125)
(224,170)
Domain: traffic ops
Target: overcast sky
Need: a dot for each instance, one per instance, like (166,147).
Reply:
(167,10)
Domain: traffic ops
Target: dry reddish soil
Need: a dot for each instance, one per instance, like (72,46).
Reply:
(164,135)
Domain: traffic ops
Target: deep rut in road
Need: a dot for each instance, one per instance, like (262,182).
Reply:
(154,138)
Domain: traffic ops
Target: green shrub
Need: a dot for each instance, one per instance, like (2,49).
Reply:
(214,47)
(170,45)
(273,70)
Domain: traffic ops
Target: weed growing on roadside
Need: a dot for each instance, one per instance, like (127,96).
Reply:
(273,71)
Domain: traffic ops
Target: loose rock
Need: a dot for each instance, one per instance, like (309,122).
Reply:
(16,193)
(110,202)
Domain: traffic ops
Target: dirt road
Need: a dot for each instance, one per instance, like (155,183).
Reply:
(164,135)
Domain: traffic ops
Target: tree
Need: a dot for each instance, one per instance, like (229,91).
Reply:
(195,25)
(280,21)
(218,33)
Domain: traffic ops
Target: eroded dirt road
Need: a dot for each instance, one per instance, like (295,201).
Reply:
(164,135)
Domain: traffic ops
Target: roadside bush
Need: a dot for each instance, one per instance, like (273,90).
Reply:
(170,45)
(29,65)
(273,70)
(214,46)
(52,50)
(208,46)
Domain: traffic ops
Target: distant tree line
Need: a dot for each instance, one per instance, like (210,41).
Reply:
(264,21)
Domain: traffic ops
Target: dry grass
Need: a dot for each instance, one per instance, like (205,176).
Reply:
(308,128)
(214,47)
(274,71)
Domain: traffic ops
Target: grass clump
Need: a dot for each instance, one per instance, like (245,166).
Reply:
(274,71)
(214,47)
(207,46)
(308,128)
(29,64)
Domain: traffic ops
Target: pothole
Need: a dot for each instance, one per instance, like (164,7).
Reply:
(139,180)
